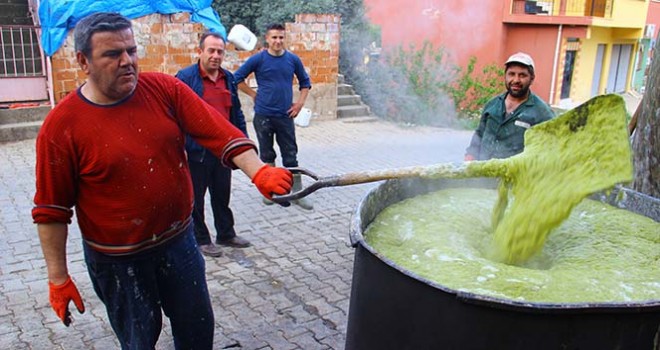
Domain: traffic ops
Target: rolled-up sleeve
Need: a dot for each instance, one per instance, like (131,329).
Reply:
(55,179)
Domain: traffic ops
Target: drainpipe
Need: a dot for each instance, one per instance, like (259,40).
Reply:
(34,12)
(554,66)
(49,81)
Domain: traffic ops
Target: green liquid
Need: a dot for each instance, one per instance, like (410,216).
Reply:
(599,254)
(566,159)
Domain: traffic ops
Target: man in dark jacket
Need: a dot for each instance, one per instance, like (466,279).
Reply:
(214,85)
(506,117)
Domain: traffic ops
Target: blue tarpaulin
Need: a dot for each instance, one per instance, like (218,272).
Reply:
(57,17)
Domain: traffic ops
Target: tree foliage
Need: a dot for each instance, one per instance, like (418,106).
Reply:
(471,90)
(256,15)
(243,12)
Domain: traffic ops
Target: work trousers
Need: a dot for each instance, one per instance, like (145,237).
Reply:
(283,131)
(212,175)
(170,278)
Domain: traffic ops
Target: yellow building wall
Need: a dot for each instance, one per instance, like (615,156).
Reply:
(585,63)
(625,14)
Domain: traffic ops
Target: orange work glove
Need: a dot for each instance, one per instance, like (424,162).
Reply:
(61,295)
(468,158)
(271,180)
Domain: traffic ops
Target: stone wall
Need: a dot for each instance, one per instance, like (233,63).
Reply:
(167,43)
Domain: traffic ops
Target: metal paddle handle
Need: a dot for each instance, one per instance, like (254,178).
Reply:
(446,170)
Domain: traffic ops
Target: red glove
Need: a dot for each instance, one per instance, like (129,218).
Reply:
(61,295)
(271,180)
(468,158)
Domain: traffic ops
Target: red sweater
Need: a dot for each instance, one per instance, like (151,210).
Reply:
(123,166)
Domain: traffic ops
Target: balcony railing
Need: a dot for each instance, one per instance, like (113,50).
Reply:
(576,8)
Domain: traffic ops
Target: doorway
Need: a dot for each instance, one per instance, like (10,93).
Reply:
(569,64)
(619,67)
(598,69)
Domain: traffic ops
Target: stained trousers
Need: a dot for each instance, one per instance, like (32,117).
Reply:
(281,130)
(170,278)
(211,175)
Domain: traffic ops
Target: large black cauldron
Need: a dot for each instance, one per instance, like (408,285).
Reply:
(392,308)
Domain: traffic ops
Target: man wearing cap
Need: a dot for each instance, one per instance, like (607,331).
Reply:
(506,117)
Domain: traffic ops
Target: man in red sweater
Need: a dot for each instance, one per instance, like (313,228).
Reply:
(114,150)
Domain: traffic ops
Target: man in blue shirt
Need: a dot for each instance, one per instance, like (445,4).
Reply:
(274,109)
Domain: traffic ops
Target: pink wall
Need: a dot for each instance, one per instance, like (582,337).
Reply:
(653,16)
(463,28)
(539,42)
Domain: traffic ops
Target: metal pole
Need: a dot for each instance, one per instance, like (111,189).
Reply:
(555,63)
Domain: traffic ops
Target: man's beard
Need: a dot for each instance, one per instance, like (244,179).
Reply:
(523,92)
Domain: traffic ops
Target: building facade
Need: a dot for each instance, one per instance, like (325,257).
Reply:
(582,48)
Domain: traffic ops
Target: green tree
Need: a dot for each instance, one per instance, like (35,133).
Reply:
(256,15)
(276,12)
(243,12)
(471,92)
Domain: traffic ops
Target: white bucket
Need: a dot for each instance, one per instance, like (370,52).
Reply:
(242,38)
(303,117)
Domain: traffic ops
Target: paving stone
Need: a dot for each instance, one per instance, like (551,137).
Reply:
(11,341)
(111,342)
(322,329)
(246,340)
(307,341)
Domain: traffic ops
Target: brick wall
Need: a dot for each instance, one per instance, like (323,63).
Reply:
(167,43)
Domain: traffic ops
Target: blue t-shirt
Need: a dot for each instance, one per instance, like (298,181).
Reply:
(274,79)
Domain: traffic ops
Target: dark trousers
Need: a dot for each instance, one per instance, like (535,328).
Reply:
(284,132)
(135,289)
(210,174)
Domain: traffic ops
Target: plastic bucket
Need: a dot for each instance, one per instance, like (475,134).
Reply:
(242,37)
(303,117)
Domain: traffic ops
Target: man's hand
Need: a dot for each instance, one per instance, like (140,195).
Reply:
(468,158)
(61,295)
(295,109)
(271,180)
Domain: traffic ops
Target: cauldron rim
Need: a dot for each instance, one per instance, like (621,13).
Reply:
(357,239)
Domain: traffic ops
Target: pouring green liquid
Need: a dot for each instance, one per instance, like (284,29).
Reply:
(583,151)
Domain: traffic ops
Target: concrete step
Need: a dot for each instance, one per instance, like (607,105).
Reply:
(341,79)
(345,89)
(352,111)
(348,100)
(19,131)
(360,119)
(20,115)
